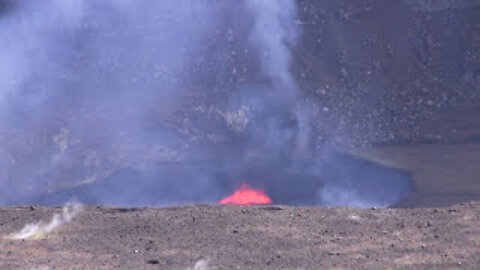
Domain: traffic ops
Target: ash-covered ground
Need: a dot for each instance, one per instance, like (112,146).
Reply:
(158,103)
(247,237)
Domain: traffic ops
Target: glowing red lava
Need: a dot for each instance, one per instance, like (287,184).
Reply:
(246,195)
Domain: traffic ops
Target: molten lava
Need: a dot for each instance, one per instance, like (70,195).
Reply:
(246,195)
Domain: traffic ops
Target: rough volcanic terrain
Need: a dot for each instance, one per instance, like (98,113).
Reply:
(247,237)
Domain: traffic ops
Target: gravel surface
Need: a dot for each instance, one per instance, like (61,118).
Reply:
(246,237)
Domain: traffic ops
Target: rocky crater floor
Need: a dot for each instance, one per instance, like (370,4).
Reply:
(245,237)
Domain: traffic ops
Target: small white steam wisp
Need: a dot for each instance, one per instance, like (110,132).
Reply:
(41,229)
(200,265)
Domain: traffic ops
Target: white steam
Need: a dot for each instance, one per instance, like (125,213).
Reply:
(41,229)
(81,83)
(89,88)
(336,195)
(275,33)
(130,102)
(200,265)
(111,101)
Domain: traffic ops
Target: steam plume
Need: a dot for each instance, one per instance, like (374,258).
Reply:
(41,229)
(82,80)
(274,33)
(200,265)
(107,100)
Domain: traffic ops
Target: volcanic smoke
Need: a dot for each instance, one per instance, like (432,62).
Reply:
(97,94)
(246,195)
(154,103)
